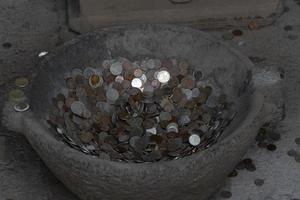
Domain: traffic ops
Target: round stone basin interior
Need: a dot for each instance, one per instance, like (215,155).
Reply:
(220,66)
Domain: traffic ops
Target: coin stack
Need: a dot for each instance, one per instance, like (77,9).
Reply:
(142,111)
(17,96)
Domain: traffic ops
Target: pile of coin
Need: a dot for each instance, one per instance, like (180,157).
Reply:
(142,111)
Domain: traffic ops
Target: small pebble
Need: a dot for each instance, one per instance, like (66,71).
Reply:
(234,173)
(225,194)
(271,147)
(259,182)
(250,167)
(7,45)
(237,32)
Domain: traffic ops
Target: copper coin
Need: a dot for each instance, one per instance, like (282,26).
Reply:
(86,137)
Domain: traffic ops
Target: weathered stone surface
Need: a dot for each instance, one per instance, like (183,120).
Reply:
(92,178)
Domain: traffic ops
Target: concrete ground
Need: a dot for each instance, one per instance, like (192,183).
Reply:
(29,26)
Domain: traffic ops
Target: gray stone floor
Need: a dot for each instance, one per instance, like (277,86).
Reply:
(34,25)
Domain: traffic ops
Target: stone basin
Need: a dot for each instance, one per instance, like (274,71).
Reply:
(193,177)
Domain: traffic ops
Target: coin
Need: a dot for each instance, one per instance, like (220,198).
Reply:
(106,64)
(143,111)
(172,127)
(195,92)
(163,76)
(95,81)
(194,140)
(112,94)
(138,73)
(119,79)
(21,107)
(123,138)
(165,116)
(76,71)
(151,64)
(152,130)
(116,68)
(253,25)
(21,82)
(87,72)
(155,84)
(184,120)
(188,82)
(16,95)
(86,136)
(137,83)
(78,108)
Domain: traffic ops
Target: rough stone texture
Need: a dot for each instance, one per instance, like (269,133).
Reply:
(29,26)
(91,14)
(24,176)
(91,178)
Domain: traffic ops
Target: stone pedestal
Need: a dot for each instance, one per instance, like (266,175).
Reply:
(86,15)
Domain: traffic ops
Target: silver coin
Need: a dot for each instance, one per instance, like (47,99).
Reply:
(119,79)
(188,93)
(184,120)
(87,72)
(148,89)
(212,101)
(152,130)
(143,78)
(106,64)
(116,68)
(137,83)
(76,72)
(123,138)
(195,92)
(60,130)
(133,141)
(150,64)
(165,116)
(78,108)
(104,106)
(112,94)
(163,76)
(194,140)
(21,107)
(172,127)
